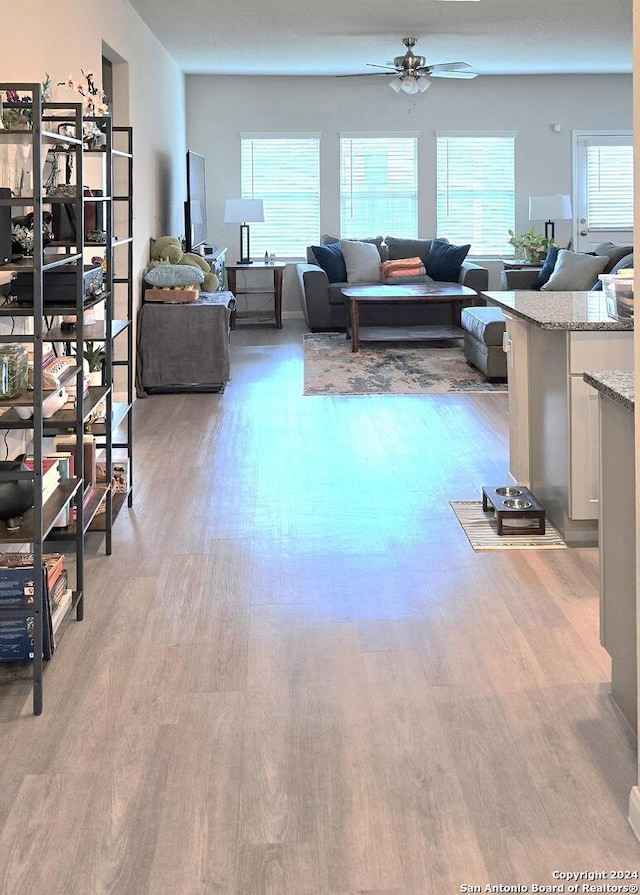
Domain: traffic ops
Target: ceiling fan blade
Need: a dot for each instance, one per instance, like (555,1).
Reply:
(369,74)
(454,74)
(448,66)
(391,68)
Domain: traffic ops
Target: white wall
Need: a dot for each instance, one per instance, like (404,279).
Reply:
(219,109)
(634,797)
(63,37)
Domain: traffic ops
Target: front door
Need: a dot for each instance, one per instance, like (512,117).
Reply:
(603,189)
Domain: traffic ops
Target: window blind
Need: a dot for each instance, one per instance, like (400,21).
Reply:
(283,171)
(476,191)
(378,186)
(610,187)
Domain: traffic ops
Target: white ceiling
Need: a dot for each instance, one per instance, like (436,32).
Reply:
(282,37)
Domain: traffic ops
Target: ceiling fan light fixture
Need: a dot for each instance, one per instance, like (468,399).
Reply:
(396,84)
(410,85)
(423,84)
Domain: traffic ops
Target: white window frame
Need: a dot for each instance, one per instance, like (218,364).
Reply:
(300,231)
(407,195)
(477,248)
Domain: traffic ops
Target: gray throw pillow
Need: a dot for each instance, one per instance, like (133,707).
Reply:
(623,264)
(613,252)
(378,241)
(362,261)
(407,248)
(574,272)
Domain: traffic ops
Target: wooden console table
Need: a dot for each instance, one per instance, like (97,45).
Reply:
(216,255)
(277,271)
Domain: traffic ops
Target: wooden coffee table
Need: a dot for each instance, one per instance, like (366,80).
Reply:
(423,293)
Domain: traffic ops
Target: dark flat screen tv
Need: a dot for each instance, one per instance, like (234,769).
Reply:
(195,208)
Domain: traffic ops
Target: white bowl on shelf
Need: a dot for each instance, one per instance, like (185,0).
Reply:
(51,404)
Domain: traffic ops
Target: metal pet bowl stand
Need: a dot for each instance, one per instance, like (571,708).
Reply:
(517,512)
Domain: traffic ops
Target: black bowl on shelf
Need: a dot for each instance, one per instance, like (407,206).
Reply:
(15,496)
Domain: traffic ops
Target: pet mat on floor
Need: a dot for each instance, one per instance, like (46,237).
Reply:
(482,530)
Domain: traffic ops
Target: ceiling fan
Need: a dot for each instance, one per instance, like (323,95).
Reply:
(411,72)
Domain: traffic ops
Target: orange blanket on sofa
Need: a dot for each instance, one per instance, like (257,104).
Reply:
(403,267)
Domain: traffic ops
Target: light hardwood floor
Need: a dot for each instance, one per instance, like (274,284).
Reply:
(295,677)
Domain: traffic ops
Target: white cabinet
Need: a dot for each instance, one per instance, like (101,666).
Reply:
(589,351)
(583,450)
(553,417)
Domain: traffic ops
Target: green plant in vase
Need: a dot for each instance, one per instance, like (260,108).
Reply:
(95,356)
(532,245)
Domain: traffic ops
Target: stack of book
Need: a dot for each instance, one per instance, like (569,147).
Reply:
(17,591)
(50,475)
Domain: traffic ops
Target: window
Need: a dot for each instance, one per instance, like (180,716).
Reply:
(476,191)
(284,171)
(378,186)
(609,184)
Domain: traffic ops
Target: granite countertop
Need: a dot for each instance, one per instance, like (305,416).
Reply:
(615,384)
(559,310)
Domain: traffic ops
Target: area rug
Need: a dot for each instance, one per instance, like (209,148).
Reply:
(387,368)
(482,530)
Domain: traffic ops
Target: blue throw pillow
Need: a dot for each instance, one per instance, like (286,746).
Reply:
(331,260)
(547,267)
(445,260)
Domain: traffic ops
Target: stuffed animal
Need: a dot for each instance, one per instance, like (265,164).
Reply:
(169,248)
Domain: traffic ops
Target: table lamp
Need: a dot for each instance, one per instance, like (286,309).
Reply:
(244,212)
(550,209)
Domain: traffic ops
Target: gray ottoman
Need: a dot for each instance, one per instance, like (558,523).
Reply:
(483,332)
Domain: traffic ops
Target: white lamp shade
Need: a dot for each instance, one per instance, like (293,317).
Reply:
(243,211)
(550,208)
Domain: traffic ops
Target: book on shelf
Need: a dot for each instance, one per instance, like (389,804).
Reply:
(17,635)
(68,443)
(50,475)
(60,609)
(17,591)
(66,465)
(57,590)
(50,471)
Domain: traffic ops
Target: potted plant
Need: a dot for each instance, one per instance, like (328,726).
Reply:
(532,246)
(94,356)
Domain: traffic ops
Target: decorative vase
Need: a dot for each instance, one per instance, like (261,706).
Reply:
(15,496)
(14,371)
(533,255)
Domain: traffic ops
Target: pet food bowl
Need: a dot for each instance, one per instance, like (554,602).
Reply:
(509,492)
(517,503)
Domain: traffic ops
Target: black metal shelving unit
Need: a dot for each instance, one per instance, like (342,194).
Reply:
(37,524)
(39,527)
(118,317)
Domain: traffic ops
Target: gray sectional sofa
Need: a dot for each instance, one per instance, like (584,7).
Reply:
(563,270)
(323,304)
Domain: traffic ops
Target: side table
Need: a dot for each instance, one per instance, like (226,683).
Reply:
(277,270)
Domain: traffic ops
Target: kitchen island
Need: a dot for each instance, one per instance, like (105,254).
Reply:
(551,339)
(617,534)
